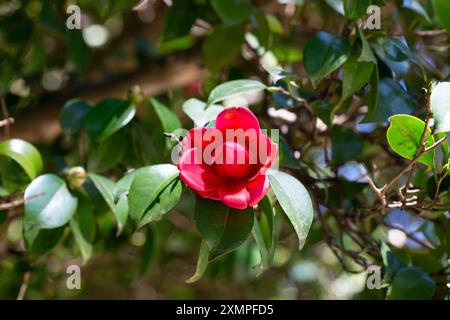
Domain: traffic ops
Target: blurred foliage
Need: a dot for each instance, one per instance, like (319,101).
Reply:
(311,68)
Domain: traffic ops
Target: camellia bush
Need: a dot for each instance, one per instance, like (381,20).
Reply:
(295,149)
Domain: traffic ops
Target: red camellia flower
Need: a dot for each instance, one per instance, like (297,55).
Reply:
(228,162)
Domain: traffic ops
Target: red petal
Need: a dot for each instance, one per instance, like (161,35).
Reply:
(196,174)
(237,118)
(257,189)
(234,195)
(199,137)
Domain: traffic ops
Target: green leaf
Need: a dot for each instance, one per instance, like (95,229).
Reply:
(367,54)
(223,228)
(196,110)
(295,202)
(83,225)
(264,233)
(390,261)
(355,9)
(232,11)
(392,99)
(48,203)
(78,51)
(72,115)
(323,54)
(411,283)
(404,135)
(179,19)
(108,153)
(345,144)
(202,263)
(355,74)
(441,10)
(154,191)
(214,54)
(396,50)
(440,105)
(168,118)
(41,241)
(232,88)
(107,117)
(24,153)
(106,187)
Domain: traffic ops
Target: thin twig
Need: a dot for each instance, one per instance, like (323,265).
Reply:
(24,286)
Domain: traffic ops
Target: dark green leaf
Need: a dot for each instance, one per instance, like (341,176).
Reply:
(179,19)
(72,115)
(108,153)
(392,99)
(214,53)
(83,226)
(411,283)
(232,11)
(223,228)
(345,144)
(355,9)
(323,54)
(396,50)
(441,10)
(355,74)
(107,117)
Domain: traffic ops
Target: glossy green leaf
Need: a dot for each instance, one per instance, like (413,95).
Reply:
(411,283)
(345,144)
(232,11)
(108,153)
(404,135)
(214,54)
(154,191)
(24,153)
(392,99)
(355,9)
(48,203)
(323,54)
(107,117)
(295,202)
(196,110)
(106,187)
(72,115)
(440,105)
(355,74)
(202,263)
(223,228)
(167,117)
(232,88)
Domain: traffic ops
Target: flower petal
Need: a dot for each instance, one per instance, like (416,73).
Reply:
(257,189)
(237,118)
(234,195)
(199,137)
(196,174)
